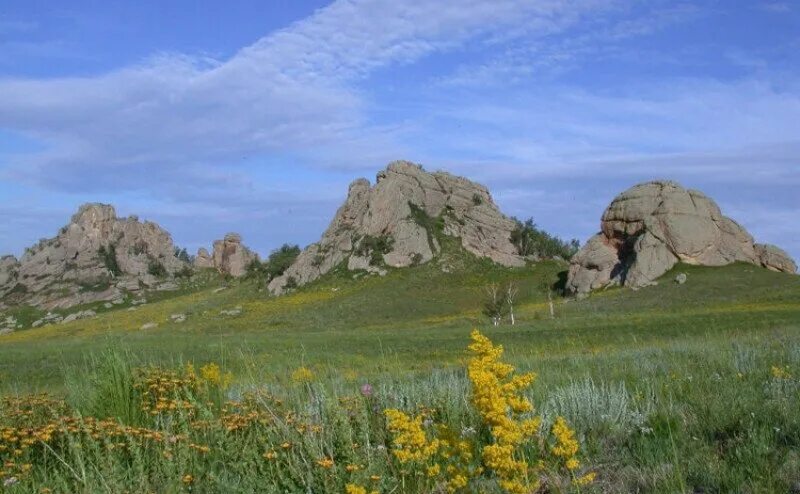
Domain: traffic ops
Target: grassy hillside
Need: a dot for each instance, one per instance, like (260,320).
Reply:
(672,388)
(411,319)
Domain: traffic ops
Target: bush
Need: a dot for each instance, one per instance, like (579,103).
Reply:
(375,248)
(109,257)
(155,268)
(530,240)
(183,255)
(276,264)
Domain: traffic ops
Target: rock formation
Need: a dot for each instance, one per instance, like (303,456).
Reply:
(91,259)
(392,223)
(230,256)
(652,226)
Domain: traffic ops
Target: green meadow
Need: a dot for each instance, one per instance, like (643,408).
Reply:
(672,388)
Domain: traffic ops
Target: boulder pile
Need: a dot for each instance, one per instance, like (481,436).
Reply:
(229,256)
(649,228)
(93,258)
(392,223)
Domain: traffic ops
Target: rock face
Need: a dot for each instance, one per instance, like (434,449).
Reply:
(89,260)
(230,256)
(391,224)
(774,258)
(652,226)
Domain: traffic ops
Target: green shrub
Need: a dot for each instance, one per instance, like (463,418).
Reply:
(530,240)
(183,255)
(108,254)
(375,248)
(276,264)
(156,268)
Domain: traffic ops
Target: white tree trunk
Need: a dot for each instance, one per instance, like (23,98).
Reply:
(550,303)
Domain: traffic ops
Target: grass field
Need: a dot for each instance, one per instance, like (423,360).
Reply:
(673,388)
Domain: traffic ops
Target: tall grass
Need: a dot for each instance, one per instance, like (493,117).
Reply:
(695,423)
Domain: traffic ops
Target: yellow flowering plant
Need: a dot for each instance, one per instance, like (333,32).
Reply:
(517,454)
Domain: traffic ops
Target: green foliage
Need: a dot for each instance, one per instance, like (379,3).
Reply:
(276,264)
(108,254)
(183,255)
(477,200)
(290,283)
(668,375)
(105,388)
(156,268)
(185,272)
(530,240)
(375,248)
(138,248)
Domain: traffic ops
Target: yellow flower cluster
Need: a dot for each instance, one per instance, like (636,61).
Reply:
(410,441)
(496,394)
(781,372)
(302,375)
(566,447)
(212,374)
(357,489)
(166,391)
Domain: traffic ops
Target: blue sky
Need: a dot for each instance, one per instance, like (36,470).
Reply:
(253,116)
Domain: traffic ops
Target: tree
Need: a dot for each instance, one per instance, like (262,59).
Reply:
(275,265)
(510,294)
(530,240)
(495,304)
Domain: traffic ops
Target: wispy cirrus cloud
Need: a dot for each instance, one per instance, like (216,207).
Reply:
(515,93)
(292,90)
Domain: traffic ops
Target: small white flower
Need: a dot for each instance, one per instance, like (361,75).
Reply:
(10,481)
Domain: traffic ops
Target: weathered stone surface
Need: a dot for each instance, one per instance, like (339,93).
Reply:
(396,208)
(9,266)
(651,227)
(203,259)
(84,314)
(69,269)
(236,311)
(680,278)
(230,256)
(177,318)
(775,258)
(149,325)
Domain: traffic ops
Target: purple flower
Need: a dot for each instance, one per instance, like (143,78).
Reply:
(366,390)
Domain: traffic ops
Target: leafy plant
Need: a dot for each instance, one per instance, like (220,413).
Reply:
(156,268)
(530,240)
(375,248)
(108,254)
(276,264)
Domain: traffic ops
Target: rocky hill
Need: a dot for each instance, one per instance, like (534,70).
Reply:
(96,257)
(649,228)
(394,223)
(229,256)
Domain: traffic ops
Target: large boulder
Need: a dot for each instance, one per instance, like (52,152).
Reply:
(9,266)
(775,258)
(90,254)
(229,256)
(392,224)
(652,226)
(203,259)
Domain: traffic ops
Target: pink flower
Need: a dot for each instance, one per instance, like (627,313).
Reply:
(366,390)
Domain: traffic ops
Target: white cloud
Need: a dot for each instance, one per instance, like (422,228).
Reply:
(293,90)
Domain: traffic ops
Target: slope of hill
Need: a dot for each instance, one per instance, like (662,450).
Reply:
(412,318)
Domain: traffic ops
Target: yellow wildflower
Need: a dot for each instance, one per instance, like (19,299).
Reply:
(410,442)
(302,375)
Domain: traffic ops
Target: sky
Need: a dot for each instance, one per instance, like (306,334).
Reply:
(253,116)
